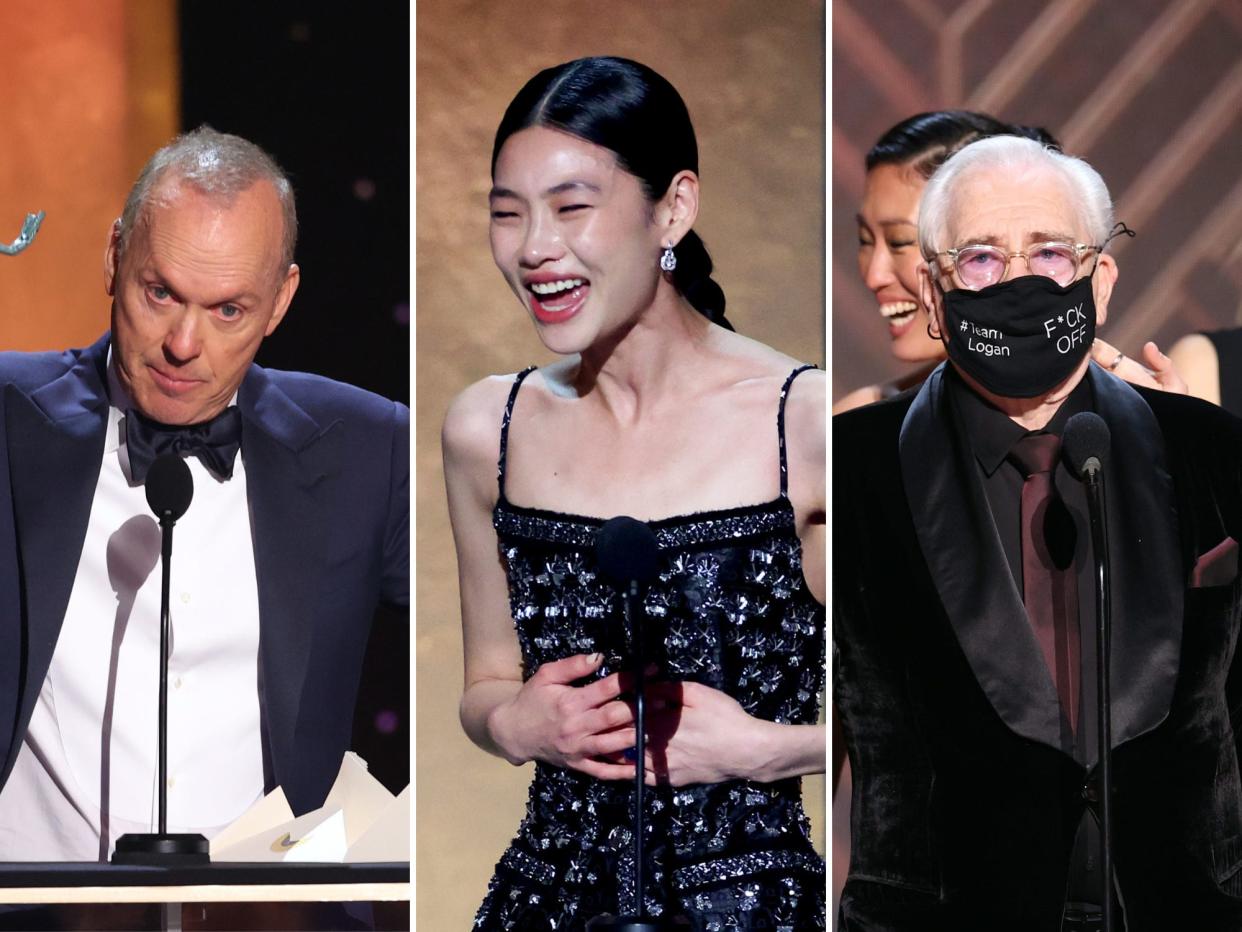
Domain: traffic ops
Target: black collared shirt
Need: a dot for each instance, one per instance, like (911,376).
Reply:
(991,434)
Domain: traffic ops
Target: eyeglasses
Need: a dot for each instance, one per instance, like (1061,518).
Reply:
(979,265)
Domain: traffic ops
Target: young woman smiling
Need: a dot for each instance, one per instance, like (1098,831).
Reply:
(657,409)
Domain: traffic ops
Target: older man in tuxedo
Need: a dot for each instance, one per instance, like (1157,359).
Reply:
(965,614)
(298,528)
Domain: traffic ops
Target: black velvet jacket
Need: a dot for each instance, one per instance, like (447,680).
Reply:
(964,808)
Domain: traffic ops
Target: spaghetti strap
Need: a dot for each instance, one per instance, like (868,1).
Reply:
(780,426)
(504,426)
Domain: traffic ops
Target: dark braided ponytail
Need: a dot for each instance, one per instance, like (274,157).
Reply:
(693,278)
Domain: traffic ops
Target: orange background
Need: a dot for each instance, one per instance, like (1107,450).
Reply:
(88,90)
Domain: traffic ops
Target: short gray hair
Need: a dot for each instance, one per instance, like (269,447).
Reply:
(217,164)
(1014,155)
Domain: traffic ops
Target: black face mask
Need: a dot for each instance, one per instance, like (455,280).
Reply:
(1023,337)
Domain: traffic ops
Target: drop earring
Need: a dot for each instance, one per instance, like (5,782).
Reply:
(668,260)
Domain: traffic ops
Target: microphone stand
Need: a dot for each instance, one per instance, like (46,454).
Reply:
(163,847)
(640,922)
(1103,628)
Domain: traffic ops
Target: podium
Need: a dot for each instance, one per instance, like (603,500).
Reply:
(50,884)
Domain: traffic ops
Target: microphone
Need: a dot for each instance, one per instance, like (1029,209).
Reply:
(628,556)
(1086,443)
(627,552)
(170,489)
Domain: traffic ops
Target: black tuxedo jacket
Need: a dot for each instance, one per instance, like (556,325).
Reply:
(964,807)
(327,471)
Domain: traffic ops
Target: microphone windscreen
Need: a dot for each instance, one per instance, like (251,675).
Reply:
(1086,438)
(627,551)
(170,487)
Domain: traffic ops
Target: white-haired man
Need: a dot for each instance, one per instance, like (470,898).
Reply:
(964,587)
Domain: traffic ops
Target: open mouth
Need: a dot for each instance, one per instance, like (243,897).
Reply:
(898,315)
(557,300)
(898,311)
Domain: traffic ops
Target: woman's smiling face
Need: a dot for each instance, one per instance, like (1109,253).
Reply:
(572,233)
(889,258)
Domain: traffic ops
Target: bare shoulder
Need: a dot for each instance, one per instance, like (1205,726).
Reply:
(761,371)
(1194,344)
(471,433)
(1194,349)
(767,370)
(755,356)
(806,439)
(806,410)
(866,395)
(1195,357)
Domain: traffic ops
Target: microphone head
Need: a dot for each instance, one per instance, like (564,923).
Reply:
(1085,443)
(627,551)
(170,487)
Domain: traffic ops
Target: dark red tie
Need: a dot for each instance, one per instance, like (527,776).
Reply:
(1049,583)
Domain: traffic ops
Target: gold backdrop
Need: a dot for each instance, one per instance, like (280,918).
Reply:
(752,75)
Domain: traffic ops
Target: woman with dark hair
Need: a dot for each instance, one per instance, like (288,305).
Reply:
(898,167)
(656,410)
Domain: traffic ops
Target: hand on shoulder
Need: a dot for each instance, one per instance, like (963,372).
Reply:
(1159,371)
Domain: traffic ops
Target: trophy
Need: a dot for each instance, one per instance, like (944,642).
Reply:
(26,236)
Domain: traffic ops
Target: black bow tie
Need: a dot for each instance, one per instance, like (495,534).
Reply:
(214,442)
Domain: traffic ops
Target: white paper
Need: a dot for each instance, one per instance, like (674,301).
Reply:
(325,842)
(359,794)
(360,821)
(278,841)
(270,811)
(388,838)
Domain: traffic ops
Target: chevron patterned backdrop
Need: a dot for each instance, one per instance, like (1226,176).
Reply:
(1148,91)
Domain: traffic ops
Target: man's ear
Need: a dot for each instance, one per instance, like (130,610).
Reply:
(930,298)
(284,295)
(1102,284)
(112,257)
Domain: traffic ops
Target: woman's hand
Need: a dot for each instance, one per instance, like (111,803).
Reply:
(1160,372)
(549,719)
(697,734)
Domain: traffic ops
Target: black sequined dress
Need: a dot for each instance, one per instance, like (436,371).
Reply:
(730,609)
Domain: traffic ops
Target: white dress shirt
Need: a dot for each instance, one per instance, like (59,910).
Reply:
(87,768)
